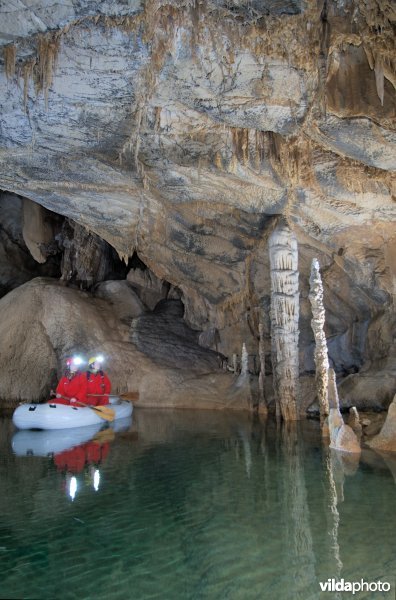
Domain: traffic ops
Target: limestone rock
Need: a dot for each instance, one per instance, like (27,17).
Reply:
(39,231)
(44,322)
(354,422)
(386,439)
(342,436)
(126,304)
(16,263)
(164,337)
(150,288)
(368,390)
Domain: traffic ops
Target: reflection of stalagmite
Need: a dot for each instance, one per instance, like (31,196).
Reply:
(298,535)
(318,321)
(337,464)
(341,436)
(284,319)
(247,451)
(334,521)
(262,363)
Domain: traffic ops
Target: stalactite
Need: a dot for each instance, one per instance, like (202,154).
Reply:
(47,50)
(283,253)
(27,73)
(9,53)
(317,323)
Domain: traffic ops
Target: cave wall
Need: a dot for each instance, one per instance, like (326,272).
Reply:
(182,132)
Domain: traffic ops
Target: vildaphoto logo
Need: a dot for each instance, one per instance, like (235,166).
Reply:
(335,585)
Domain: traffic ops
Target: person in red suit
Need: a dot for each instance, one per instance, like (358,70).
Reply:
(72,387)
(98,384)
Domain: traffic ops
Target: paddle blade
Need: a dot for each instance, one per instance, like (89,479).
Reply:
(104,412)
(107,435)
(130,396)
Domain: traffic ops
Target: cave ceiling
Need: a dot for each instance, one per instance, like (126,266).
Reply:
(181,129)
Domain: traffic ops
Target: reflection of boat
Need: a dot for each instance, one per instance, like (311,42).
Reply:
(61,416)
(46,443)
(49,442)
(121,424)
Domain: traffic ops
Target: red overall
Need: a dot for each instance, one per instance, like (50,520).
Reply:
(76,387)
(97,384)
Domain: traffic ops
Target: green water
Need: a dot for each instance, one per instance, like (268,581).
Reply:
(197,506)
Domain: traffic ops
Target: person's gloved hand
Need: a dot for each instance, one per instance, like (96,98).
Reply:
(58,396)
(73,400)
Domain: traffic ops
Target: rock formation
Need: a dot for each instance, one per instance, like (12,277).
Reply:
(62,321)
(284,320)
(386,439)
(342,436)
(181,131)
(318,323)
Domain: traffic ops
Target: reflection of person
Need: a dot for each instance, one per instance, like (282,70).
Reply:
(98,384)
(75,459)
(86,457)
(73,385)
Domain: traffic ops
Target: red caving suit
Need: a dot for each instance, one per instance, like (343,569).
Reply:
(76,387)
(97,384)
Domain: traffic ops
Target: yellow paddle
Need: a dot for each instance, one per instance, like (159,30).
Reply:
(102,411)
(107,435)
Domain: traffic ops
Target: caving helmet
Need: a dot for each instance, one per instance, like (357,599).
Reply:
(94,363)
(73,363)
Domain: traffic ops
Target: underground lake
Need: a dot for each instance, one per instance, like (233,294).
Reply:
(192,505)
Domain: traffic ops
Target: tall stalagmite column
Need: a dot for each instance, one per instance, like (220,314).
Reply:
(317,323)
(283,253)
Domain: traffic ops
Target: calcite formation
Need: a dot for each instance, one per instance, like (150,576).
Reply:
(318,323)
(182,131)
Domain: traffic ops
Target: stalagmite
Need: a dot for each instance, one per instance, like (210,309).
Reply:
(244,361)
(341,436)
(317,323)
(283,253)
(235,363)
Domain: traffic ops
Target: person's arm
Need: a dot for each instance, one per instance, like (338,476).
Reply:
(59,388)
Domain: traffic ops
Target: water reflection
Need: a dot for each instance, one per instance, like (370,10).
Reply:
(193,505)
(77,452)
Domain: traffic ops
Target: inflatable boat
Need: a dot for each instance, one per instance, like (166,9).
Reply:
(61,416)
